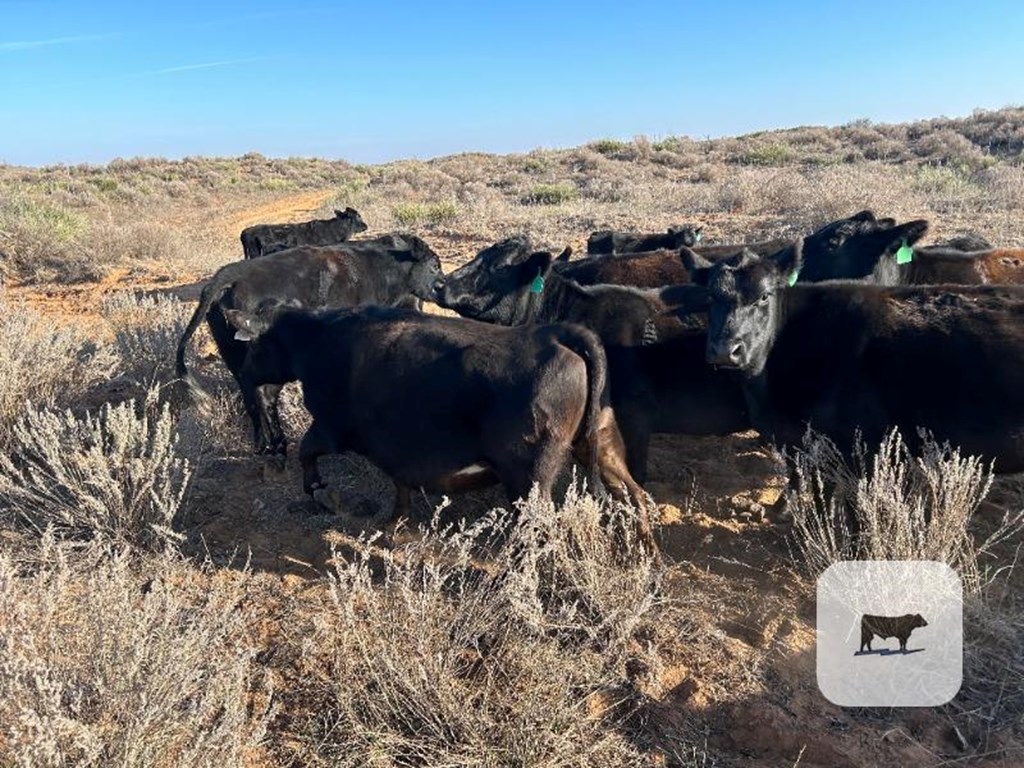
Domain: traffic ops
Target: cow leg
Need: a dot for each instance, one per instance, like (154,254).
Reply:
(636,438)
(234,352)
(403,501)
(268,395)
(615,474)
(314,444)
(519,477)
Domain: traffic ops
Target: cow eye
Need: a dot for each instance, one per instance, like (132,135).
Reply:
(763,299)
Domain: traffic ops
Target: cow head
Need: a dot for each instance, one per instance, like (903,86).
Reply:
(743,309)
(266,358)
(918,621)
(858,247)
(421,265)
(351,215)
(496,286)
(685,236)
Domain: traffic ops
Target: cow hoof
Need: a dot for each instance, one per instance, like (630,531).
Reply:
(274,463)
(328,498)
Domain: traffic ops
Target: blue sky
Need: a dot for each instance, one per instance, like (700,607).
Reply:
(87,81)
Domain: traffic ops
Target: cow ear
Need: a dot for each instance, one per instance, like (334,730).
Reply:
(565,255)
(912,231)
(698,267)
(247,326)
(790,260)
(865,215)
(538,264)
(887,241)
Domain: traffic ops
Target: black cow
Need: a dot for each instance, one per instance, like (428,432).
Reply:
(899,627)
(845,356)
(966,241)
(510,284)
(445,403)
(268,238)
(660,382)
(858,247)
(608,242)
(388,270)
(667,388)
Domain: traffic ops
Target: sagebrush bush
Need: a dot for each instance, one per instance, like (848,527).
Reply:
(768,154)
(992,695)
(550,194)
(428,657)
(41,240)
(111,665)
(146,334)
(893,505)
(409,214)
(116,475)
(44,363)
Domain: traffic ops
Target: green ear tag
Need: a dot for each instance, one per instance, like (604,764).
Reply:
(697,237)
(537,286)
(905,254)
(793,277)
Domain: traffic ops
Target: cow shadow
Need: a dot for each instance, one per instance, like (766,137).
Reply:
(888,652)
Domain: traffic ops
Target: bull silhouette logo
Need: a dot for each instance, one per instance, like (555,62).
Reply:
(884,627)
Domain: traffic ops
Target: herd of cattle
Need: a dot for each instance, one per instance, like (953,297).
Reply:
(853,327)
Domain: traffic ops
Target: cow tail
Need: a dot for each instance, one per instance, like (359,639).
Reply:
(587,345)
(212,292)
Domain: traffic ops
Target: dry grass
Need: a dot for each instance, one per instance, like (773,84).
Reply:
(104,662)
(894,506)
(43,363)
(428,657)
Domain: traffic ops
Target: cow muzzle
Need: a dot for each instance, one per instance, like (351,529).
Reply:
(726,353)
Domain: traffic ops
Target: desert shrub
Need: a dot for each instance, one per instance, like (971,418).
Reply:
(550,194)
(104,183)
(146,334)
(904,507)
(428,659)
(40,241)
(947,147)
(42,363)
(113,242)
(116,475)
(535,163)
(604,190)
(409,214)
(992,695)
(947,188)
(768,154)
(609,147)
(98,669)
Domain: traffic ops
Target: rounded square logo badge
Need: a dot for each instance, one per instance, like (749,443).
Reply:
(890,633)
